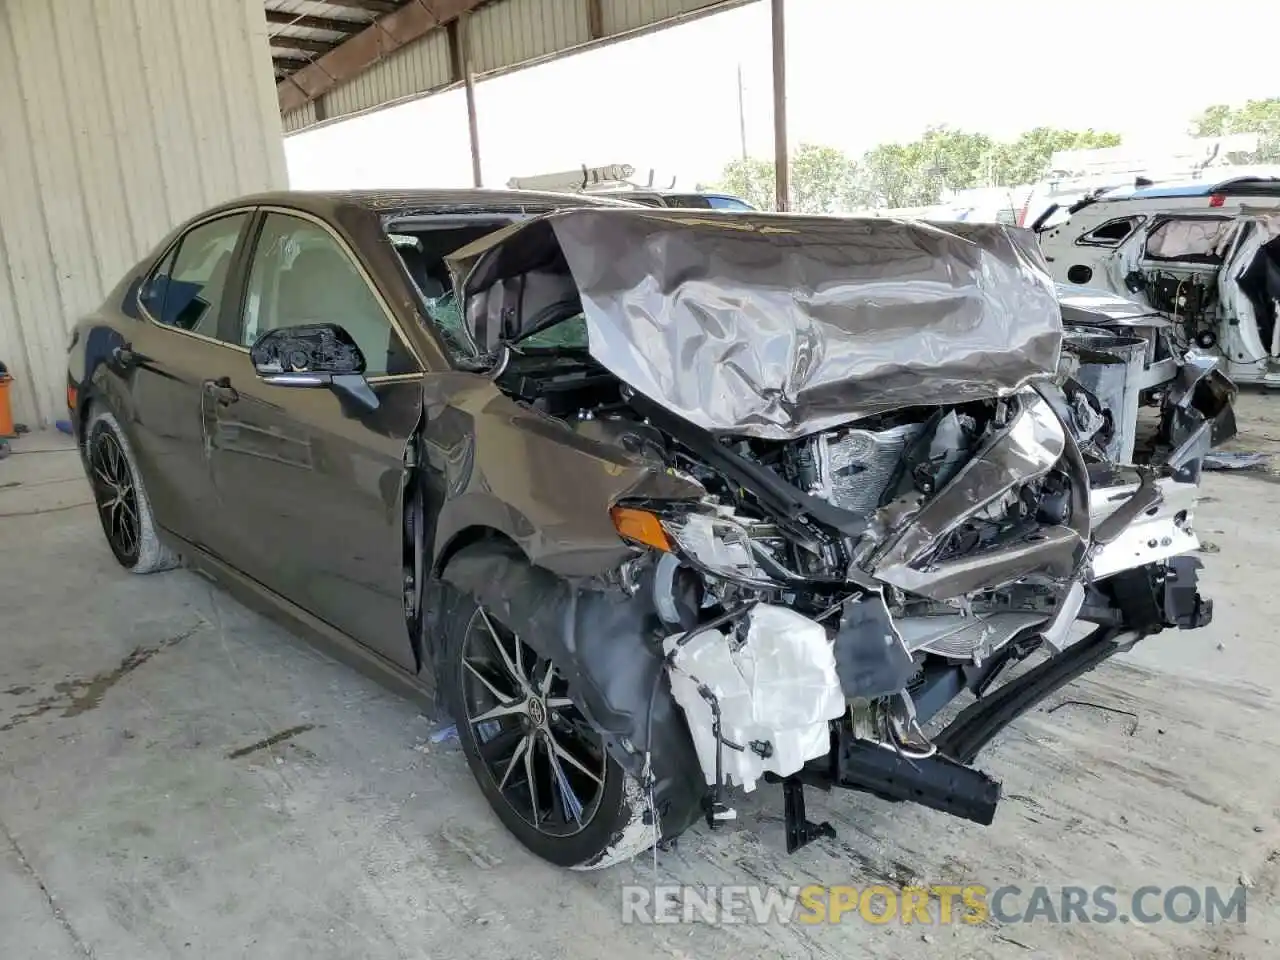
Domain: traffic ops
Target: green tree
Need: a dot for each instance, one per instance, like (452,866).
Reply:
(1026,159)
(919,173)
(823,180)
(1256,116)
(954,159)
(915,174)
(1213,122)
(944,160)
(897,175)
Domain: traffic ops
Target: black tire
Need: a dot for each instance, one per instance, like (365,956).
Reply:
(121,497)
(611,827)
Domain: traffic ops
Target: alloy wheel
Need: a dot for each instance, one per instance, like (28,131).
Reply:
(115,495)
(546,761)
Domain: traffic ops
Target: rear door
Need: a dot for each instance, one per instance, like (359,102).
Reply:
(312,490)
(1248,287)
(177,350)
(1176,269)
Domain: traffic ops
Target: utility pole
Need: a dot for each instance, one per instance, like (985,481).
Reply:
(742,115)
(782,182)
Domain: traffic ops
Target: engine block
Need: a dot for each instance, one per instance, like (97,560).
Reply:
(855,466)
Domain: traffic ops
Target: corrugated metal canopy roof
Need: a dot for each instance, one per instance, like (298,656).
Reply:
(301,31)
(317,44)
(339,57)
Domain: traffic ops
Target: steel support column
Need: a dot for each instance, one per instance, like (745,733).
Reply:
(468,77)
(782,179)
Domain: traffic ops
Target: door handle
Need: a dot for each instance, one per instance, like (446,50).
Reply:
(124,356)
(222,391)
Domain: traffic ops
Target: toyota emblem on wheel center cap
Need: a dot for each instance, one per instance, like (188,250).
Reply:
(537,712)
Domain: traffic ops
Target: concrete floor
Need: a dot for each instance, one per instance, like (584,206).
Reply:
(179,777)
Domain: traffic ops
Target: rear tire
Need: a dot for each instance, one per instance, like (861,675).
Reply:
(121,497)
(490,693)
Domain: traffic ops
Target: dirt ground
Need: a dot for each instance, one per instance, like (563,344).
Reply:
(179,777)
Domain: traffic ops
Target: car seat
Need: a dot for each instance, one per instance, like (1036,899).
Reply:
(322,286)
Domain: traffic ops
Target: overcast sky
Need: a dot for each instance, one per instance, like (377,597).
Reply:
(860,72)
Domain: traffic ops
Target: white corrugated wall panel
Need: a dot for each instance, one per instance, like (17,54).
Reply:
(121,118)
(620,16)
(415,68)
(516,31)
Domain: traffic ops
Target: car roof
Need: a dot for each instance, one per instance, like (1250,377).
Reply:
(403,203)
(1248,185)
(647,191)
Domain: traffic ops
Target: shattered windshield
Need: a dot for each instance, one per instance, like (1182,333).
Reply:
(446,315)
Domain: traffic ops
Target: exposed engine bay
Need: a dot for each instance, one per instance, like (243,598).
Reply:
(855,557)
(848,569)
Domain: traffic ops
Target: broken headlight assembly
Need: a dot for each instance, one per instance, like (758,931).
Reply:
(717,542)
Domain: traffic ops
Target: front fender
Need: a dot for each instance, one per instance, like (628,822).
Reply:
(496,465)
(583,553)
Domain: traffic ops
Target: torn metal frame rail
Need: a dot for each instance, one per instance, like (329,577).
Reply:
(944,781)
(979,723)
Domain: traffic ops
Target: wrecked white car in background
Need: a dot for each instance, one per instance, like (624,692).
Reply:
(1126,356)
(1205,254)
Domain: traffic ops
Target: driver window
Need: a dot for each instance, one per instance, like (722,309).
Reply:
(301,274)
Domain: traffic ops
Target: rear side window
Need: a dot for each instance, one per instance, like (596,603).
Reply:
(688,201)
(186,289)
(705,201)
(717,202)
(1197,240)
(1112,233)
(647,200)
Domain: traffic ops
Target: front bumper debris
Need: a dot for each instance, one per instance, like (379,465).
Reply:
(1151,598)
(937,781)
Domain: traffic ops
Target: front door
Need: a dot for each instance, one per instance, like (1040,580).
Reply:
(312,487)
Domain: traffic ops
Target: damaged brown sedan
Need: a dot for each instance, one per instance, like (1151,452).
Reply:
(659,504)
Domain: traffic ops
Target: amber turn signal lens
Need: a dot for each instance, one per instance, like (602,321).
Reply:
(72,397)
(640,526)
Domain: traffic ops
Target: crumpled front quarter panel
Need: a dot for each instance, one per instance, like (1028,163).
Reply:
(532,478)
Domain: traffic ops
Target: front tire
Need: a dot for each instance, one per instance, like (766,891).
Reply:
(540,765)
(121,498)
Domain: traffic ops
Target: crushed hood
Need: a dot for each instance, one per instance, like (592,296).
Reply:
(775,326)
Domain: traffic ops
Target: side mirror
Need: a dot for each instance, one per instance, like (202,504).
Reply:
(314,355)
(312,348)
